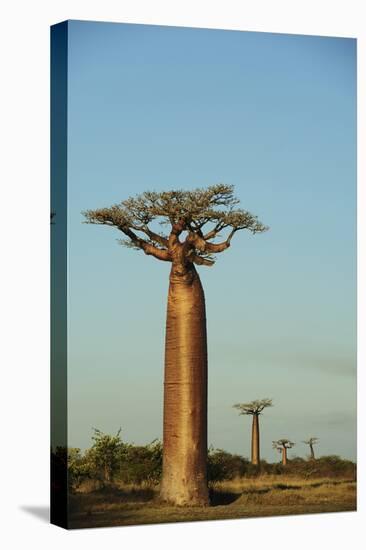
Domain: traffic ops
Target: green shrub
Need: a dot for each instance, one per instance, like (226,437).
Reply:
(110,459)
(223,465)
(141,463)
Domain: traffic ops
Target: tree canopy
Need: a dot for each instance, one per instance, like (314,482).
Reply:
(203,214)
(283,443)
(254,407)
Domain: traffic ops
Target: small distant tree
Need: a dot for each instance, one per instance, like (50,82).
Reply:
(104,456)
(281,445)
(254,408)
(311,442)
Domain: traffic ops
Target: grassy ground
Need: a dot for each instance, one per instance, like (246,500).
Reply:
(242,498)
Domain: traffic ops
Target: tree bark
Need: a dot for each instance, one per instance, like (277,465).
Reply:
(184,480)
(255,440)
(284,456)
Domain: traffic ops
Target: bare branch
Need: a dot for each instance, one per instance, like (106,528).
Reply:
(220,247)
(119,218)
(199,260)
(215,231)
(148,248)
(163,241)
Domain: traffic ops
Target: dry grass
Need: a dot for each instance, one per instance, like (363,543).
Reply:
(267,483)
(240,498)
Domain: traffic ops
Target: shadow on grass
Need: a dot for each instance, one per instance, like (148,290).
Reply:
(135,494)
(222,498)
(285,486)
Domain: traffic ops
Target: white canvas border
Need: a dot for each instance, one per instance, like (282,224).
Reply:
(24,274)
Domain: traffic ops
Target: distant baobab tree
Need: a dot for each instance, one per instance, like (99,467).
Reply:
(311,442)
(194,219)
(282,445)
(254,408)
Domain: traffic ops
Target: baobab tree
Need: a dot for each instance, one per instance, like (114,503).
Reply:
(254,408)
(311,442)
(194,219)
(282,445)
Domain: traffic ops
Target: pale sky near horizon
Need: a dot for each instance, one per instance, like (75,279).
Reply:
(160,108)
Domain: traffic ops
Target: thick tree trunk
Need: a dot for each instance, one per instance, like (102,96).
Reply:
(255,440)
(284,456)
(184,480)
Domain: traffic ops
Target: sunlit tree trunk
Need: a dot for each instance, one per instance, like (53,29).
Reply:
(255,440)
(185,392)
(284,456)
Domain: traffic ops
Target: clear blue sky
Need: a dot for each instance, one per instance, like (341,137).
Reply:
(160,108)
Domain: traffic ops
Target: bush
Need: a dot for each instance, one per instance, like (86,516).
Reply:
(78,468)
(102,459)
(110,459)
(223,465)
(324,466)
(141,463)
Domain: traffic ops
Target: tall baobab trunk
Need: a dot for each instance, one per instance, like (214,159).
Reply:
(255,440)
(284,456)
(185,392)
